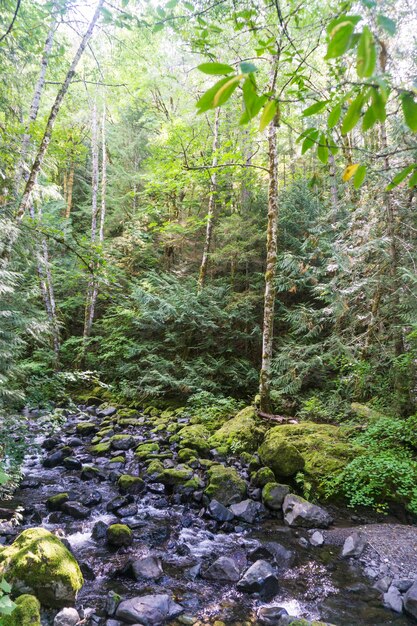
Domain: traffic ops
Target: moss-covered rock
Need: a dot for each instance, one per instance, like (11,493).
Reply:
(119,535)
(155,469)
(186,454)
(100,448)
(281,456)
(176,476)
(86,428)
(118,459)
(365,412)
(55,502)
(194,437)
(245,430)
(26,613)
(127,413)
(89,472)
(146,450)
(225,485)
(325,448)
(273,495)
(122,442)
(263,476)
(131,484)
(37,562)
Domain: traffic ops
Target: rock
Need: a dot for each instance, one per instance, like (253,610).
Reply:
(272,551)
(262,477)
(119,502)
(54,503)
(281,456)
(245,428)
(317,539)
(150,610)
(354,545)
(195,437)
(179,475)
(86,428)
(70,463)
(147,567)
(122,442)
(75,509)
(273,495)
(90,472)
(219,512)
(270,615)
(50,443)
(30,482)
(54,459)
(146,450)
(300,513)
(224,569)
(119,535)
(127,511)
(67,617)
(92,499)
(26,613)
(75,442)
(383,584)
(410,600)
(37,561)
(225,485)
(131,484)
(247,510)
(108,412)
(99,530)
(259,578)
(403,584)
(393,600)
(113,622)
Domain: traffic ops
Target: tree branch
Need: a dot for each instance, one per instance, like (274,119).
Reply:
(12,22)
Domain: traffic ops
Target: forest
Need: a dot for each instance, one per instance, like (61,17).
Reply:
(208,312)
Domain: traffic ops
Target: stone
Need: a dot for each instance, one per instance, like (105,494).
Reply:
(245,428)
(300,513)
(146,450)
(54,459)
(271,615)
(26,613)
(272,551)
(119,502)
(259,578)
(131,484)
(122,442)
(89,472)
(393,600)
(194,437)
(75,509)
(281,456)
(149,610)
(107,412)
(262,477)
(50,443)
(317,539)
(67,617)
(225,485)
(224,569)
(147,567)
(354,545)
(99,530)
(70,463)
(92,499)
(246,510)
(383,584)
(403,584)
(127,511)
(86,428)
(75,442)
(219,512)
(30,482)
(410,600)
(273,495)
(39,563)
(119,535)
(54,503)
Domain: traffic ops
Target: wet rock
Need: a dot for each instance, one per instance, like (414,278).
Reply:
(273,495)
(99,531)
(127,511)
(92,499)
(147,567)
(272,551)
(247,510)
(70,463)
(54,503)
(271,615)
(90,472)
(86,428)
(219,512)
(108,412)
(119,502)
(354,545)
(50,443)
(300,513)
(113,622)
(410,600)
(54,459)
(150,610)
(317,539)
(67,617)
(225,485)
(75,509)
(30,482)
(156,487)
(122,442)
(223,569)
(259,578)
(75,442)
(131,484)
(119,535)
(393,600)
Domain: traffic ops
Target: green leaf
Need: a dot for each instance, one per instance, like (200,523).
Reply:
(399,177)
(226,90)
(413,180)
(268,114)
(215,69)
(4,586)
(334,116)
(253,102)
(6,606)
(369,119)
(309,141)
(387,24)
(366,54)
(247,68)
(378,104)
(352,115)
(189,6)
(410,111)
(206,101)
(323,150)
(315,108)
(359,176)
(171,4)
(340,32)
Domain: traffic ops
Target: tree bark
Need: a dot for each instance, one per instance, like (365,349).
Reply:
(211,204)
(37,164)
(69,188)
(333,185)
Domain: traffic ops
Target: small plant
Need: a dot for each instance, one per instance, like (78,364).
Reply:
(7,606)
(237,446)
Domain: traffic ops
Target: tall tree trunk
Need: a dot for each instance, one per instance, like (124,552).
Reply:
(211,204)
(37,164)
(333,185)
(70,186)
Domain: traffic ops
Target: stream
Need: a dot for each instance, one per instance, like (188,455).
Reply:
(174,527)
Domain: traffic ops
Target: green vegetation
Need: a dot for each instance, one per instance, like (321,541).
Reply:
(26,613)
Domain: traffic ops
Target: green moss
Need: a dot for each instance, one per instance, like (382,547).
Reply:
(281,456)
(119,535)
(37,561)
(207,463)
(365,412)
(88,471)
(128,413)
(130,484)
(86,428)
(176,476)
(127,422)
(194,437)
(146,449)
(324,448)
(26,613)
(262,477)
(118,459)
(245,429)
(194,484)
(104,431)
(100,448)
(55,502)
(273,495)
(225,484)
(167,414)
(155,468)
(186,454)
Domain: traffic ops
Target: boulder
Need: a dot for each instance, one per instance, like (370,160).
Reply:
(150,610)
(223,569)
(147,567)
(272,551)
(282,457)
(262,477)
(86,428)
(119,535)
(54,503)
(271,615)
(219,512)
(354,545)
(259,578)
(131,484)
(67,617)
(122,442)
(247,510)
(393,600)
(300,513)
(194,437)
(75,509)
(225,485)
(410,600)
(26,613)
(273,495)
(245,428)
(39,563)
